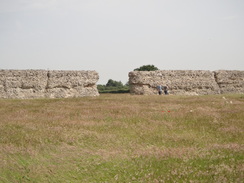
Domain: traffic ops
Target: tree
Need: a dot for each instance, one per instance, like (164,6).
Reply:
(146,68)
(114,83)
(113,86)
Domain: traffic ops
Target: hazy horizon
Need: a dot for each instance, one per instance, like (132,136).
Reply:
(114,37)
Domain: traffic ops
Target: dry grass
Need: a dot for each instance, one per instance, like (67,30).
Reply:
(123,138)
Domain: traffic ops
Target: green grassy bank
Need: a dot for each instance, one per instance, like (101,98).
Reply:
(123,138)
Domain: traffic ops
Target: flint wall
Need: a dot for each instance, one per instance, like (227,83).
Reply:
(187,82)
(47,84)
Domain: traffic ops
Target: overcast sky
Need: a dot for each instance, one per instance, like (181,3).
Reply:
(114,37)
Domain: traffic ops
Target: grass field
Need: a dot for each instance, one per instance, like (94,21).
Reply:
(123,138)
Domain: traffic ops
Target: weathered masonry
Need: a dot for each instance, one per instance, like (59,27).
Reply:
(187,82)
(47,84)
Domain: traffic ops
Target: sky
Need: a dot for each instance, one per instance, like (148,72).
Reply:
(114,37)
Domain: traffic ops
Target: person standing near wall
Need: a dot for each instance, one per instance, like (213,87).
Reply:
(166,90)
(160,90)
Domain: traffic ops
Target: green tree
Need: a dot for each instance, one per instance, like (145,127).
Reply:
(146,68)
(114,83)
(113,86)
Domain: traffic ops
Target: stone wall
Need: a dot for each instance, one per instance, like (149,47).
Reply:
(187,82)
(230,81)
(47,84)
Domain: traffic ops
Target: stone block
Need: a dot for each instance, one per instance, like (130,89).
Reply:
(180,82)
(230,81)
(51,84)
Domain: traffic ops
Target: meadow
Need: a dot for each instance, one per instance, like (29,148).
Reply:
(123,138)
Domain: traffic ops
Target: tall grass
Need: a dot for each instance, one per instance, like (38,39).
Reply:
(123,138)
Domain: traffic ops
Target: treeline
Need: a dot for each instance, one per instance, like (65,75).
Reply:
(113,87)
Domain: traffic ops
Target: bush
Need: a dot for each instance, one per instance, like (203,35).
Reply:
(146,68)
(113,87)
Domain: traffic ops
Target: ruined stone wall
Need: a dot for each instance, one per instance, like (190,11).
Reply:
(47,84)
(230,81)
(187,82)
